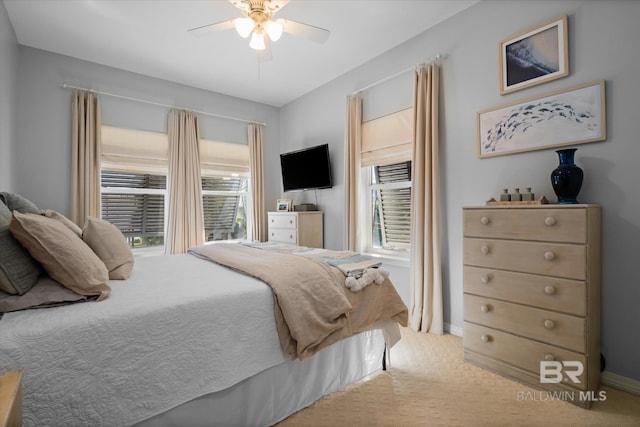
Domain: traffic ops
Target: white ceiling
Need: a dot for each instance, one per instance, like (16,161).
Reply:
(150,37)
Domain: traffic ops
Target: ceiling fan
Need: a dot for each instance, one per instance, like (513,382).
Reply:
(258,21)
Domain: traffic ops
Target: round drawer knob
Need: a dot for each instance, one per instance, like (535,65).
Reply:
(549,256)
(290,221)
(485,278)
(484,249)
(486,338)
(550,220)
(485,220)
(485,308)
(549,357)
(549,290)
(549,324)
(291,236)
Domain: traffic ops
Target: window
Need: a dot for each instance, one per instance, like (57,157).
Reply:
(390,206)
(224,202)
(134,202)
(385,197)
(134,186)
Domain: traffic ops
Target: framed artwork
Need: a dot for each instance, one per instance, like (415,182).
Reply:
(568,117)
(534,56)
(283,205)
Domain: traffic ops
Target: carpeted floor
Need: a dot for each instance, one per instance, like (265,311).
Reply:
(429,384)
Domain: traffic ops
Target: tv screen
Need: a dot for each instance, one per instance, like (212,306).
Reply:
(306,169)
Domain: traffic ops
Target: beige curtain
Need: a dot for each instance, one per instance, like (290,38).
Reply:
(254,138)
(426,275)
(85,157)
(185,224)
(352,166)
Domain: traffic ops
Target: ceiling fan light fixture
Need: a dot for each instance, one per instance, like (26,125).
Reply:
(257,41)
(274,30)
(244,26)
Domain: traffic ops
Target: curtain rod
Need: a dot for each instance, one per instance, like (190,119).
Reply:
(376,83)
(144,101)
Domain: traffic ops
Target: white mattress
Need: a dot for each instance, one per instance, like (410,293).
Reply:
(178,329)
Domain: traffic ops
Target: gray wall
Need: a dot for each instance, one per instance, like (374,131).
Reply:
(44,117)
(603,44)
(8,98)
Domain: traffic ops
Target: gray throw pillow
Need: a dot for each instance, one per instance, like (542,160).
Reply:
(15,202)
(18,270)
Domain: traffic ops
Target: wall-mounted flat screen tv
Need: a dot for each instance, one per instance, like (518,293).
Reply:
(306,169)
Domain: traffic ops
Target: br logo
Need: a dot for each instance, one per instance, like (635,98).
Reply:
(553,372)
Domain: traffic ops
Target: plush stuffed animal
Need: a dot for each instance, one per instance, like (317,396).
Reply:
(369,275)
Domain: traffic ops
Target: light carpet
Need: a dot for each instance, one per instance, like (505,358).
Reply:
(430,384)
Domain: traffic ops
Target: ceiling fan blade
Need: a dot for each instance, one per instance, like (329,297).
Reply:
(316,34)
(212,28)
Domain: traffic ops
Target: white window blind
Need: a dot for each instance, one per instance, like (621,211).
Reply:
(388,139)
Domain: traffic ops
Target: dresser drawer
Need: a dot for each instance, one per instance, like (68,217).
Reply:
(554,328)
(283,235)
(551,225)
(283,221)
(551,259)
(551,293)
(518,351)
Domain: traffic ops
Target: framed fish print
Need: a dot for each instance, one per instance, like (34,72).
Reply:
(568,117)
(534,56)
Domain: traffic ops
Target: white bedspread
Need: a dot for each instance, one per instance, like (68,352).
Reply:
(179,328)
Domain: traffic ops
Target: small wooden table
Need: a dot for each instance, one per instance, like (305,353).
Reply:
(11,399)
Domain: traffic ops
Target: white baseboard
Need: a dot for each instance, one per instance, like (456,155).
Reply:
(620,382)
(452,329)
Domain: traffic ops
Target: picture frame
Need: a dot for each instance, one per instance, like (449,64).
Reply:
(283,205)
(534,56)
(567,117)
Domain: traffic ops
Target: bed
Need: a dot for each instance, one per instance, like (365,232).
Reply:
(182,341)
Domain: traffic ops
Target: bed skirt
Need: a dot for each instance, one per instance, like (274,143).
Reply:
(274,394)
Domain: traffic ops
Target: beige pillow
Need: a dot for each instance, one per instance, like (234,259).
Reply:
(65,257)
(50,213)
(111,247)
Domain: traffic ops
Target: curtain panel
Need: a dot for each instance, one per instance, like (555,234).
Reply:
(85,157)
(258,214)
(185,223)
(426,312)
(353,147)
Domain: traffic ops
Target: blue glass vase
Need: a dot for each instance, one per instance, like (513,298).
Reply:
(566,179)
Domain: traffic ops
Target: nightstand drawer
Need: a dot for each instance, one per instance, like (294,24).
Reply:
(283,221)
(551,293)
(518,351)
(551,225)
(283,235)
(554,328)
(551,259)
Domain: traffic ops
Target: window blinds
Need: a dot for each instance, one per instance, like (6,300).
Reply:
(147,152)
(388,139)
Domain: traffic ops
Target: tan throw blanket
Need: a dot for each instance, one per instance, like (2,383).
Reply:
(313,308)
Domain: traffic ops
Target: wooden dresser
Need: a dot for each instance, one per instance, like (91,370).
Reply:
(297,228)
(532,294)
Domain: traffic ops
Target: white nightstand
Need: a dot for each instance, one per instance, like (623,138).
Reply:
(297,228)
